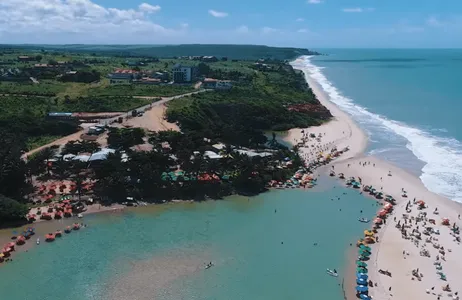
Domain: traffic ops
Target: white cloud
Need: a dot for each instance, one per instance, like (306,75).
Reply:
(242,29)
(76,21)
(218,14)
(302,30)
(353,10)
(299,20)
(358,9)
(314,1)
(148,8)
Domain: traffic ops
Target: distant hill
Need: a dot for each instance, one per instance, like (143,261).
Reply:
(250,52)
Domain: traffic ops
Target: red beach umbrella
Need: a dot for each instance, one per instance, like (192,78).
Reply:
(378,221)
(382,213)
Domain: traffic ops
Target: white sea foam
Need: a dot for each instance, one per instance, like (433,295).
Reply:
(442,172)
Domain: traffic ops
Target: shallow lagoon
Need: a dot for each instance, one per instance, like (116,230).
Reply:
(258,253)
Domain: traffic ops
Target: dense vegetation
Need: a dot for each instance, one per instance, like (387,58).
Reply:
(81,76)
(125,138)
(13,185)
(262,103)
(102,104)
(141,90)
(250,52)
(149,175)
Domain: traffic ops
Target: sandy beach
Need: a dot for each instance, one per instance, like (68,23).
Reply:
(394,252)
(340,132)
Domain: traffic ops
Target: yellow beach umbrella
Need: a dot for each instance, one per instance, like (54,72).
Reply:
(368,233)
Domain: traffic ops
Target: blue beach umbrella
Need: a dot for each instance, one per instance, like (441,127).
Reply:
(361,281)
(362,276)
(364,296)
(362,288)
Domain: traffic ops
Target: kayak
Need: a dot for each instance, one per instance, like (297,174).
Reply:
(331,273)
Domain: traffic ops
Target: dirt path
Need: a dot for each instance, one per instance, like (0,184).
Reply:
(153,120)
(59,142)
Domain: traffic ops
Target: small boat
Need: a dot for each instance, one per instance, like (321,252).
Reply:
(209,265)
(38,241)
(332,273)
(364,220)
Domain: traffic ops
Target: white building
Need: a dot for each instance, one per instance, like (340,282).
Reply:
(211,83)
(182,74)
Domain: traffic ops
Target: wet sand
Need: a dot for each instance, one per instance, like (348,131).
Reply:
(152,278)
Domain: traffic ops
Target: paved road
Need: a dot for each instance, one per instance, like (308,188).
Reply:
(144,107)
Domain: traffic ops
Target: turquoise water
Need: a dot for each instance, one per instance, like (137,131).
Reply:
(408,100)
(242,236)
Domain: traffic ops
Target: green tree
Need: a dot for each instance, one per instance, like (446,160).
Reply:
(11,211)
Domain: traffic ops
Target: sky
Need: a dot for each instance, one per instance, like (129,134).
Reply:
(297,23)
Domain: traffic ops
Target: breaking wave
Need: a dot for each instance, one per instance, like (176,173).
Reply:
(442,157)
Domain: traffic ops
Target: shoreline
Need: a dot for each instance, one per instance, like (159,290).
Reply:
(341,131)
(386,254)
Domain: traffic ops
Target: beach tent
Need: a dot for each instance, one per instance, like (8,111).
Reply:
(387,206)
(362,288)
(101,155)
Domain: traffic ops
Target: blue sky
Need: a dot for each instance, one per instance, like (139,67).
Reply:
(304,23)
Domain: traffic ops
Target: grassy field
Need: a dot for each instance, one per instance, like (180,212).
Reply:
(38,141)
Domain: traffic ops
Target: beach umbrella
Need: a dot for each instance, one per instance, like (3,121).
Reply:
(361,281)
(378,221)
(364,297)
(368,233)
(364,254)
(362,275)
(362,288)
(388,206)
(382,213)
(361,270)
(361,263)
(364,247)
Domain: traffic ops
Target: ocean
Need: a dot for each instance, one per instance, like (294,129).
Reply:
(409,102)
(262,247)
